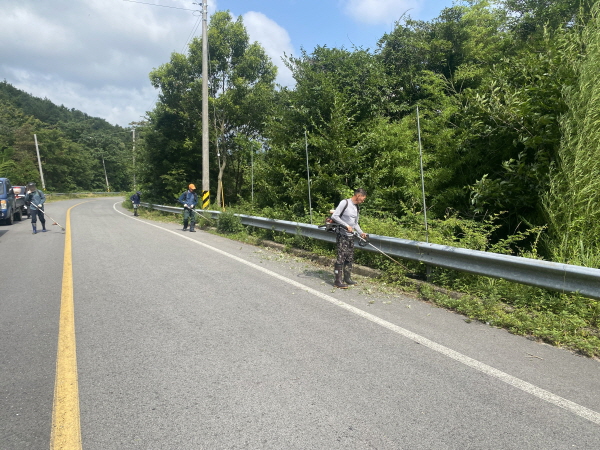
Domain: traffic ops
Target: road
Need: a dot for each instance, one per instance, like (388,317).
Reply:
(193,341)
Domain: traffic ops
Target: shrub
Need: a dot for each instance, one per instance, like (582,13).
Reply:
(229,223)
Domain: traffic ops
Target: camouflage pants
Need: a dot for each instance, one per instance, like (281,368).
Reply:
(345,249)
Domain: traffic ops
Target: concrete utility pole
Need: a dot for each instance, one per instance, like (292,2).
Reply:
(134,185)
(205,179)
(39,161)
(105,174)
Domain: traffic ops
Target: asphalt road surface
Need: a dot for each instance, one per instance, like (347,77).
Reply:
(193,341)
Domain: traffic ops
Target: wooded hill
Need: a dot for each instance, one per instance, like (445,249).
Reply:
(72,145)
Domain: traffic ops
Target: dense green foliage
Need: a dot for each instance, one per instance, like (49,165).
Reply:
(573,199)
(496,85)
(72,145)
(241,90)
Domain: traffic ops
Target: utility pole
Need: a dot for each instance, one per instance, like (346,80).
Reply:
(134,185)
(205,179)
(105,175)
(39,161)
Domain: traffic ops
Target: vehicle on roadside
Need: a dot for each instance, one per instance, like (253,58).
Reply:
(10,208)
(20,194)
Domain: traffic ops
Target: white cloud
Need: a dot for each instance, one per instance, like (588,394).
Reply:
(96,55)
(92,55)
(115,103)
(274,39)
(379,12)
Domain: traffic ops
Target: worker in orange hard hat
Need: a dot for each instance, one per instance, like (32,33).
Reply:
(189,200)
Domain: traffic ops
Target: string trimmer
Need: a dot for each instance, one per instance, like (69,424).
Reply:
(363,242)
(54,222)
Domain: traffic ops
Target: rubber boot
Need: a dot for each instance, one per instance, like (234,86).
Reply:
(192,227)
(338,273)
(347,274)
(34,228)
(135,211)
(44,227)
(185,223)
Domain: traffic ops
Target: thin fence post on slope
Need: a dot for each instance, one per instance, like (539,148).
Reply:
(422,177)
(308,176)
(428,267)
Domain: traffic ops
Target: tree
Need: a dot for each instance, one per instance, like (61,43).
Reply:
(338,94)
(67,159)
(241,84)
(529,18)
(512,133)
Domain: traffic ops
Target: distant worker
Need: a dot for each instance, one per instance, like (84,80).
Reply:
(346,216)
(189,199)
(135,201)
(35,200)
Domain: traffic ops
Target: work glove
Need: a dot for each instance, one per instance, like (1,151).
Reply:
(185,206)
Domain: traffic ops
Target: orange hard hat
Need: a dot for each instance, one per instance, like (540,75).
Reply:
(191,186)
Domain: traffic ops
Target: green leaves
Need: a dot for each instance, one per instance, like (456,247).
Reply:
(572,203)
(240,80)
(70,160)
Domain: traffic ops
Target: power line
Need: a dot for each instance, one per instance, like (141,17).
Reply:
(162,6)
(193,32)
(194,29)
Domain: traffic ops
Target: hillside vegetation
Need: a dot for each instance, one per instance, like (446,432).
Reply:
(504,92)
(72,145)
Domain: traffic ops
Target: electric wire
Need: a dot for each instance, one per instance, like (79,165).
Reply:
(162,6)
(190,37)
(192,34)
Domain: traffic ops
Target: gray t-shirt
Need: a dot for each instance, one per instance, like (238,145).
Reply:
(349,217)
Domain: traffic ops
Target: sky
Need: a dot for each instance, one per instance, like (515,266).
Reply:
(96,55)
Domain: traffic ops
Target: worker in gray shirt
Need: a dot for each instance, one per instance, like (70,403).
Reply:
(346,216)
(35,200)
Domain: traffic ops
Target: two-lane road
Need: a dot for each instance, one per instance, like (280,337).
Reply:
(193,341)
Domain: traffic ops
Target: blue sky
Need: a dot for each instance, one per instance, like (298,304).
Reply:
(95,55)
(336,23)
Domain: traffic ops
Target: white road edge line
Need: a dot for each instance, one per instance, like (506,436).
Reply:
(524,386)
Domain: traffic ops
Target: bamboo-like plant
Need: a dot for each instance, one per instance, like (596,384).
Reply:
(573,201)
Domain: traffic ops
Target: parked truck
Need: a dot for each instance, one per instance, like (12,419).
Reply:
(10,206)
(20,199)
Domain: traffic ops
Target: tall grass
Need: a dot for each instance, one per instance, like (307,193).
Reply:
(573,200)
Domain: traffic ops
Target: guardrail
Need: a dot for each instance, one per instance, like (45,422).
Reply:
(84,193)
(533,272)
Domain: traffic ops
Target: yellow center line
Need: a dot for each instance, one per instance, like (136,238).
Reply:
(66,428)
